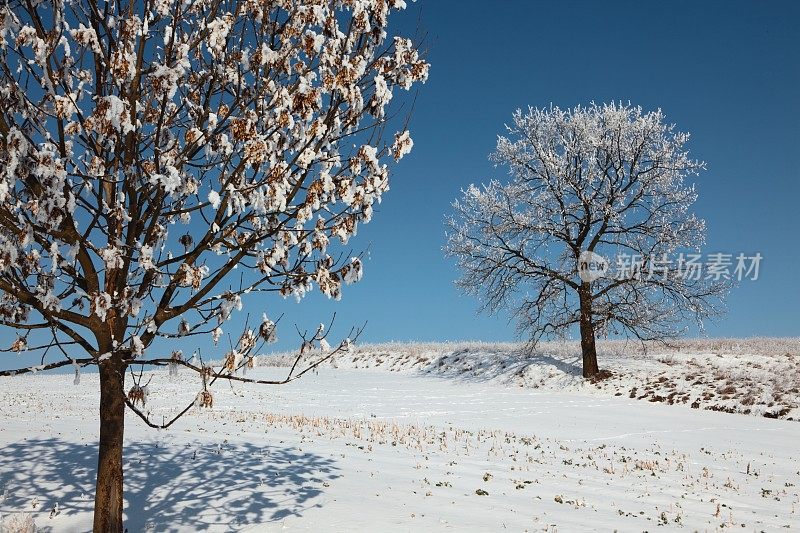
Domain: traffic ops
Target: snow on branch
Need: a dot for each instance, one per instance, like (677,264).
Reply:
(314,351)
(609,180)
(160,164)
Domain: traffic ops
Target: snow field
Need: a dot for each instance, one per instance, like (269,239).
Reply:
(346,450)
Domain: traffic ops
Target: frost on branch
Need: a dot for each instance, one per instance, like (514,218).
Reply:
(268,330)
(138,395)
(159,162)
(205,399)
(606,179)
(175,358)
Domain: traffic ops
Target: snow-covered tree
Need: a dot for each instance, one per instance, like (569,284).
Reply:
(160,160)
(588,186)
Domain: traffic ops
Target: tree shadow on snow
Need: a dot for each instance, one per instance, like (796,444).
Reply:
(194,486)
(477,366)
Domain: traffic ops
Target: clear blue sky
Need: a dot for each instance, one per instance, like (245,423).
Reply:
(728,72)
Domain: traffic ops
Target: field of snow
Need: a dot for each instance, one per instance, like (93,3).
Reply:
(759,376)
(365,449)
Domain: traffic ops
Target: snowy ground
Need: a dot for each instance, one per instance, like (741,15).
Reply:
(753,376)
(354,450)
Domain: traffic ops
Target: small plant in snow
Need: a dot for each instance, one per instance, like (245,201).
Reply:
(18,523)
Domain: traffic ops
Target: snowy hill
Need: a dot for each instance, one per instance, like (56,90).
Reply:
(759,376)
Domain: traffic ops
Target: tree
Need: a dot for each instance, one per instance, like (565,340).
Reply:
(160,160)
(586,184)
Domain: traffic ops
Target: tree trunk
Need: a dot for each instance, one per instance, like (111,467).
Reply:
(588,347)
(108,495)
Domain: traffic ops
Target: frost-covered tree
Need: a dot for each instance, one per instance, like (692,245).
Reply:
(606,180)
(162,159)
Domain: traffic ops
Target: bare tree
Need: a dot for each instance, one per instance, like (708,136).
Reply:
(160,160)
(587,184)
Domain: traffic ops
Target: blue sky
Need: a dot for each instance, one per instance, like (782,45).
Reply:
(728,72)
